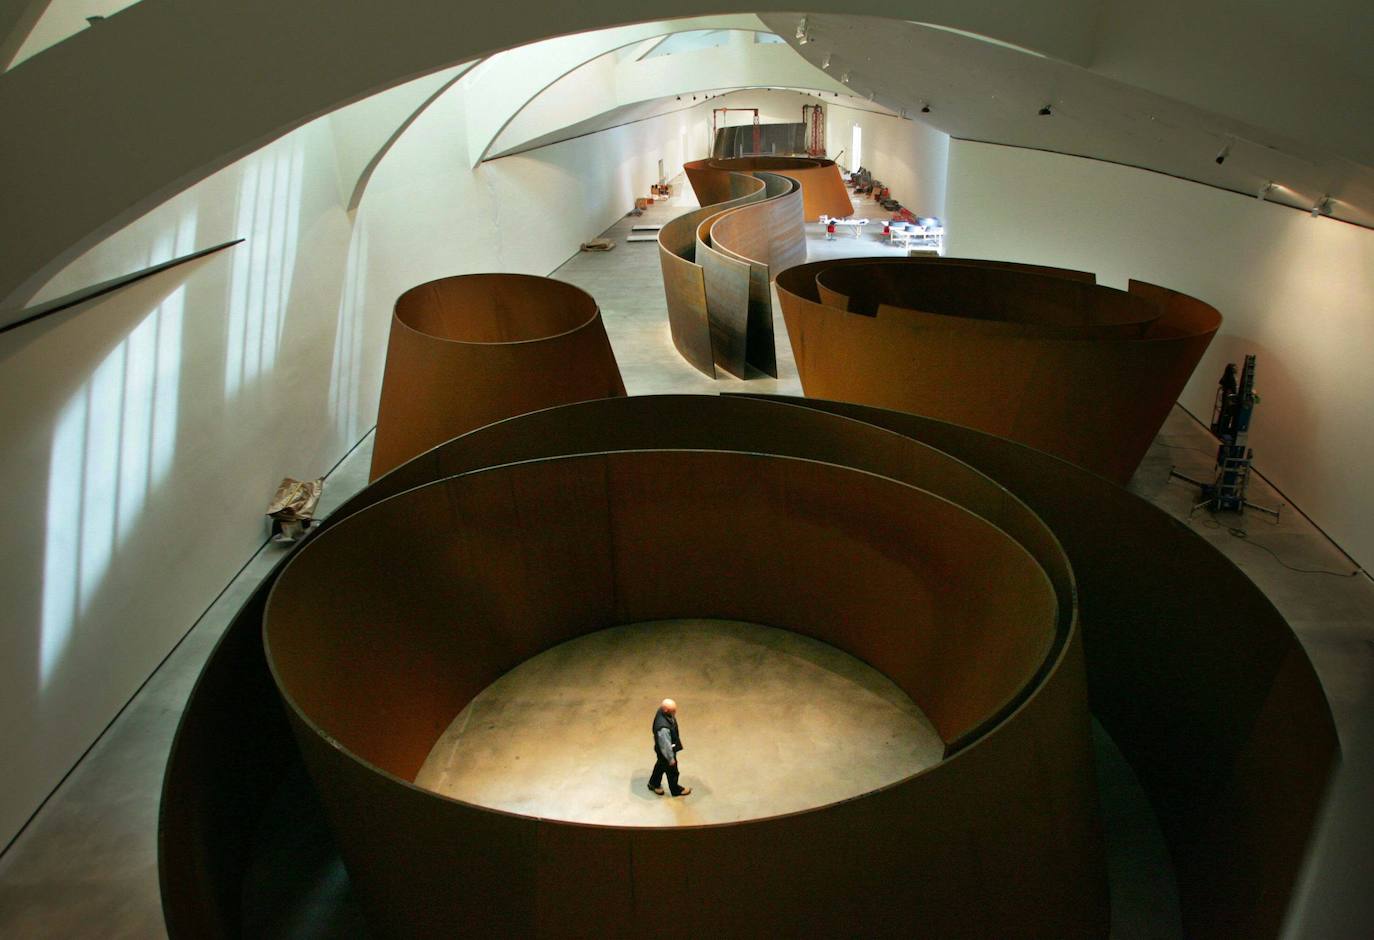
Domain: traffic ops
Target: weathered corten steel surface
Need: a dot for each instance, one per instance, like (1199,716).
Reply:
(469,350)
(1087,373)
(503,563)
(702,336)
(823,189)
(1190,668)
(718,293)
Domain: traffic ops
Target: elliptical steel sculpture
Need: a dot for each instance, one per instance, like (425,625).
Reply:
(1233,751)
(468,350)
(1033,354)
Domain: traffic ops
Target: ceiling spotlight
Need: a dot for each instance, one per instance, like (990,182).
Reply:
(925,108)
(1265,190)
(845,78)
(806,37)
(1323,207)
(904,115)
(825,63)
(1224,153)
(801,28)
(1045,111)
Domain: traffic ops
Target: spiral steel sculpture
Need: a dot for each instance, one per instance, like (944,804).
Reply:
(961,564)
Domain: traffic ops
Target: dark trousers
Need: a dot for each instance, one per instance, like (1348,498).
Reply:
(662,767)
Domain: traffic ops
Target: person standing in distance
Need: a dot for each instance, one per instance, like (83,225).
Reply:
(667,742)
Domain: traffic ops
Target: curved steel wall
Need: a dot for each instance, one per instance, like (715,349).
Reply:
(468,350)
(718,264)
(947,605)
(1190,668)
(823,189)
(1084,372)
(695,334)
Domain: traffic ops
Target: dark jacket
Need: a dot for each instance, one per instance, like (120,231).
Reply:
(667,742)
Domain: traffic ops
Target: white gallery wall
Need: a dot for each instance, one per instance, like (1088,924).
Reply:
(146,430)
(1296,291)
(906,155)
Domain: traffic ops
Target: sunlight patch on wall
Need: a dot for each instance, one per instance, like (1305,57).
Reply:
(268,216)
(113,445)
(345,373)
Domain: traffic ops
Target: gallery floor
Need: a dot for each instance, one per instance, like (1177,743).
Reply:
(86,864)
(772,722)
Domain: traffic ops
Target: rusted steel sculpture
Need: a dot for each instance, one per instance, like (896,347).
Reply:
(892,536)
(469,350)
(1046,358)
(823,189)
(503,563)
(718,264)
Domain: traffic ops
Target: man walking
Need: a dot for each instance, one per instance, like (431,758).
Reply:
(667,743)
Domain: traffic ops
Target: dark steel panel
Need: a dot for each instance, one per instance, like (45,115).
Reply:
(684,287)
(468,350)
(707,308)
(773,139)
(727,303)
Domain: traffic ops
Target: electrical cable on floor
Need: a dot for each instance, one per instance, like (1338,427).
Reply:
(1244,536)
(1198,450)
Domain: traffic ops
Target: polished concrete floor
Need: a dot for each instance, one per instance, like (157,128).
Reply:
(771,722)
(85,866)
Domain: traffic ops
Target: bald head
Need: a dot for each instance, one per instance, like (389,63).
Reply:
(668,706)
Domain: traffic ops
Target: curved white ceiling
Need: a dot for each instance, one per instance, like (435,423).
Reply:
(984,91)
(109,123)
(613,83)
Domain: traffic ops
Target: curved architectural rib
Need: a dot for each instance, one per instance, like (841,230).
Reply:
(1233,751)
(1084,372)
(355,196)
(469,350)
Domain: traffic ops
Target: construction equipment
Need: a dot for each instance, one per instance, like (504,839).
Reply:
(1231,412)
(813,118)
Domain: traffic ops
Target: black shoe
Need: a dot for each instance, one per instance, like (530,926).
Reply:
(658,790)
(683,792)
